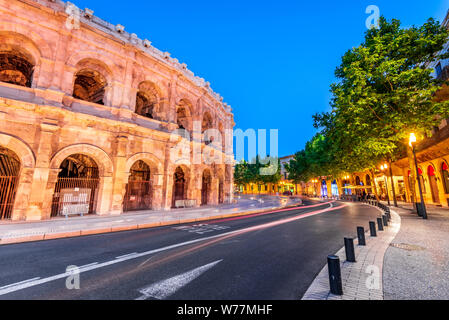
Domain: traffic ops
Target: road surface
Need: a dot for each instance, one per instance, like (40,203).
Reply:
(263,257)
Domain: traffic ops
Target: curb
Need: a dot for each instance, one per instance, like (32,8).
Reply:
(82,233)
(354,275)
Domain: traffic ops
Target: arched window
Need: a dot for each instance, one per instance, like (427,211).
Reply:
(76,189)
(16,68)
(147,100)
(138,194)
(90,86)
(368,180)
(445,175)
(9,172)
(206,125)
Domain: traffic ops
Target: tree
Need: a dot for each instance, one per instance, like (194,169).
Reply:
(246,173)
(385,91)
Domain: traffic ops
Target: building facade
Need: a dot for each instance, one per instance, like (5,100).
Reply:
(285,185)
(87,115)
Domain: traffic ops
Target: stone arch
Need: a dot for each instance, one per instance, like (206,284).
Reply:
(27,161)
(432,175)
(150,101)
(20,148)
(184,112)
(105,173)
(182,183)
(104,162)
(112,69)
(20,60)
(92,82)
(149,158)
(39,43)
(444,167)
(207,123)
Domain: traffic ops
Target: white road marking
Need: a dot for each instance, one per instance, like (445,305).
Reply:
(38,281)
(168,287)
(127,255)
(89,265)
(19,283)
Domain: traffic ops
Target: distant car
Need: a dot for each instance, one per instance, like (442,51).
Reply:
(288,193)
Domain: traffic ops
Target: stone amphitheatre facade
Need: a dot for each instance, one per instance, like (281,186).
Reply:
(87,115)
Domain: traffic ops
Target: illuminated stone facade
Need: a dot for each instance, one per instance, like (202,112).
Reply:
(88,111)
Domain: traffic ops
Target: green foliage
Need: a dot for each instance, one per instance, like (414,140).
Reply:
(384,92)
(259,171)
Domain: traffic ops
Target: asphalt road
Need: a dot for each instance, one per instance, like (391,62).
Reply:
(264,257)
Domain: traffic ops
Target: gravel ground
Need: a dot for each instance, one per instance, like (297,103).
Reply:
(416,265)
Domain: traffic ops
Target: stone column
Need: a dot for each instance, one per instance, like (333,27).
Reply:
(119,178)
(23,192)
(49,193)
(329,188)
(36,209)
(157,184)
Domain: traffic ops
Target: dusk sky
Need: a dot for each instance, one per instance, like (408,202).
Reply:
(272,61)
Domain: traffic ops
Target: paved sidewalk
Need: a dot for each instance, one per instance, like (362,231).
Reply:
(361,280)
(17,232)
(417,263)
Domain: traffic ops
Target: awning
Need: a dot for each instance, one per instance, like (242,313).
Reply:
(358,187)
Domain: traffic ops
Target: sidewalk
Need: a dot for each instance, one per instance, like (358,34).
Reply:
(17,232)
(361,280)
(417,263)
(412,256)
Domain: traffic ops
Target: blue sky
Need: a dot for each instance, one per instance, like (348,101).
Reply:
(272,61)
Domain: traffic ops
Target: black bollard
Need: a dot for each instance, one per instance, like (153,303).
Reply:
(350,251)
(372,228)
(385,218)
(380,224)
(361,236)
(335,275)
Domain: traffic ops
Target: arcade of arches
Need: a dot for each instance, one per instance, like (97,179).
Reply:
(86,122)
(80,181)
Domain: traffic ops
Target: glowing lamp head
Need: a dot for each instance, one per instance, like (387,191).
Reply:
(412,139)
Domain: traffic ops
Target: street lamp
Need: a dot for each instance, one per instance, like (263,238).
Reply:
(423,205)
(384,168)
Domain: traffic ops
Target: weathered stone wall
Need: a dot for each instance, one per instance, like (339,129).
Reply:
(44,124)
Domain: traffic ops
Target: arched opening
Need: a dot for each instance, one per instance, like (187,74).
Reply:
(223,137)
(138,194)
(335,192)
(90,86)
(16,68)
(368,180)
(179,186)
(347,190)
(147,100)
(324,189)
(9,173)
(445,176)
(433,184)
(206,187)
(206,125)
(77,187)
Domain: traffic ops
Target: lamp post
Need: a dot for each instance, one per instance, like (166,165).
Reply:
(395,200)
(383,168)
(423,205)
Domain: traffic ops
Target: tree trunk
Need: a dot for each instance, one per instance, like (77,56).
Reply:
(374,184)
